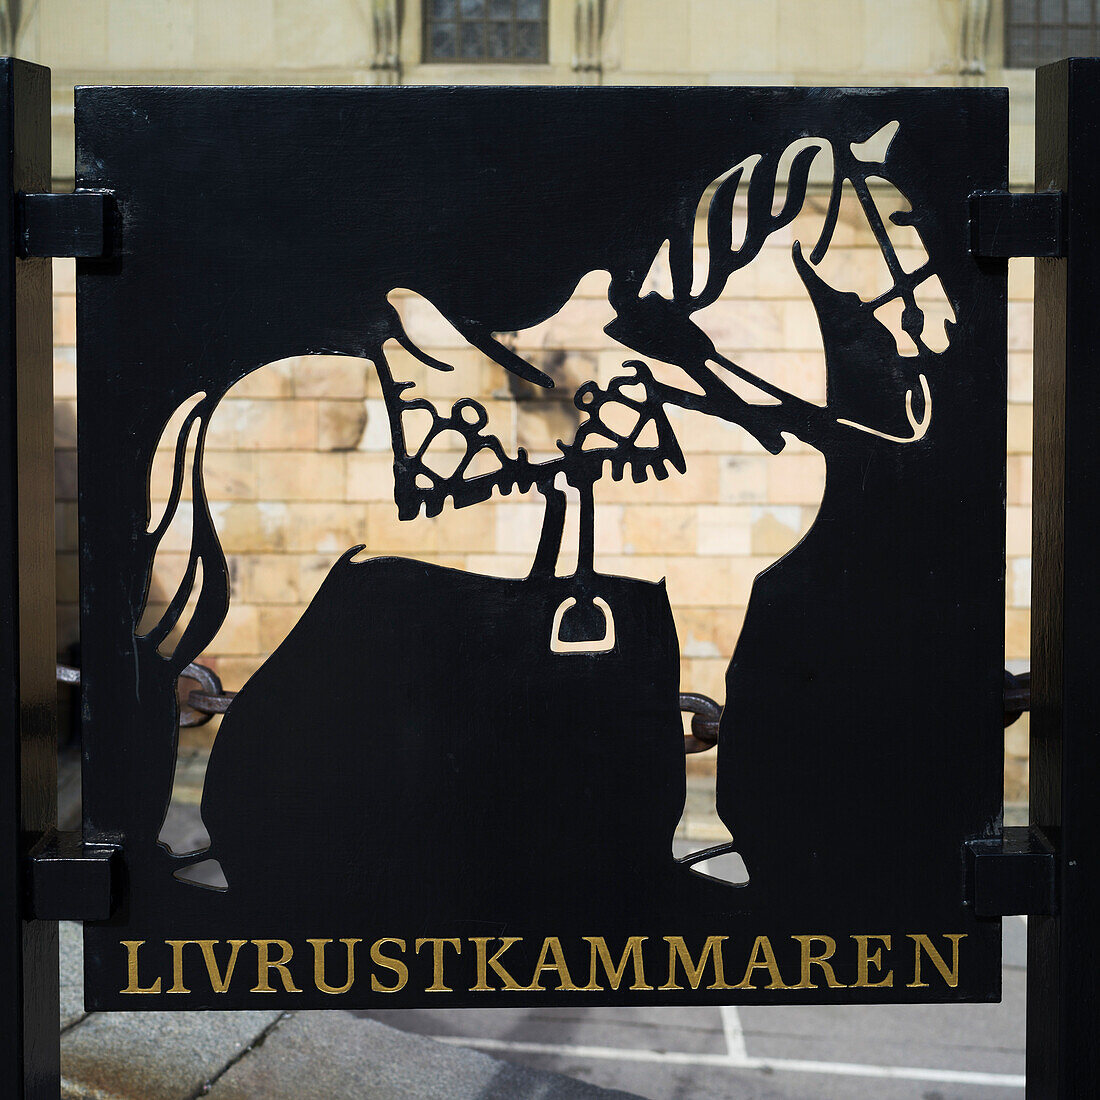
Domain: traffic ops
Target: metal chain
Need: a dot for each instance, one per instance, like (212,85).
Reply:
(705,716)
(198,707)
(1017,695)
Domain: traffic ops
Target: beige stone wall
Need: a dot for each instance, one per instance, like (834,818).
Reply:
(299,460)
(299,468)
(724,42)
(1018,518)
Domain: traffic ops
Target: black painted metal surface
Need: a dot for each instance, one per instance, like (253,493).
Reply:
(29,1044)
(70,880)
(1013,873)
(487,779)
(77,224)
(1003,224)
(196,707)
(1062,1009)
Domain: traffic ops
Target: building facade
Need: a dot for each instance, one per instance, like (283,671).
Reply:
(299,463)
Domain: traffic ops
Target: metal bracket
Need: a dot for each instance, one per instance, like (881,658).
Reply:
(71,880)
(1013,874)
(76,224)
(1003,224)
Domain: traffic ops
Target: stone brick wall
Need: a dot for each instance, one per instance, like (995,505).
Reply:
(299,469)
(717,42)
(299,454)
(1018,519)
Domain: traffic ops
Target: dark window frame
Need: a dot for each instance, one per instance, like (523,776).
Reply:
(1040,31)
(428,21)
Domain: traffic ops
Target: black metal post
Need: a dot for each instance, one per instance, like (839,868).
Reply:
(29,1044)
(1063,1004)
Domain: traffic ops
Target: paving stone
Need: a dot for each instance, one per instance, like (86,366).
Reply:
(318,1056)
(660,1081)
(167,1055)
(981,1038)
(1014,942)
(71,961)
(694,1030)
(132,1055)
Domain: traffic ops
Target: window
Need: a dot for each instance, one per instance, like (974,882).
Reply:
(1040,31)
(485,30)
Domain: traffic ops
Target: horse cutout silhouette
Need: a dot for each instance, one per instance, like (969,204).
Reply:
(622,426)
(499,752)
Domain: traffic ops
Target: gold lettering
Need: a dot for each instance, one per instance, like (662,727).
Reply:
(390,963)
(177,965)
(949,974)
(677,948)
(551,945)
(319,965)
(865,960)
(810,960)
(218,983)
(484,960)
(132,985)
(264,966)
(632,951)
(762,948)
(437,985)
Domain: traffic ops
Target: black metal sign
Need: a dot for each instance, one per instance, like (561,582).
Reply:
(475,805)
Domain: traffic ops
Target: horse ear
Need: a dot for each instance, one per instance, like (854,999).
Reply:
(875,149)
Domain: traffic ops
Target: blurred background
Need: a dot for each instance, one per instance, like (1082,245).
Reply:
(298,467)
(299,463)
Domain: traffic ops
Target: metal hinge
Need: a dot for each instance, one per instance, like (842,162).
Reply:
(1012,875)
(71,880)
(77,224)
(1004,225)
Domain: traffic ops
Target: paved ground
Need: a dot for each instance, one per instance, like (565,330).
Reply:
(932,1053)
(891,1052)
(275,1056)
(941,1052)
